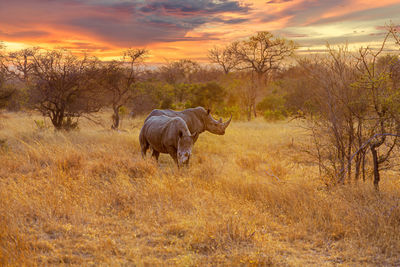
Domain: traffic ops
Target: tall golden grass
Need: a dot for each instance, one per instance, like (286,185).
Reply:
(87,197)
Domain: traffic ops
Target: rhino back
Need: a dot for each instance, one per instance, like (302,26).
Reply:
(192,117)
(161,112)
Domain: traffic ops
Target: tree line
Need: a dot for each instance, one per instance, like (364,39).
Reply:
(349,100)
(64,87)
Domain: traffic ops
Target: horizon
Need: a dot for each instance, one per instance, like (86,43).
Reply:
(171,30)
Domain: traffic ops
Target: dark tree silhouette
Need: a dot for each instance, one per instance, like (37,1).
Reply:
(64,87)
(119,78)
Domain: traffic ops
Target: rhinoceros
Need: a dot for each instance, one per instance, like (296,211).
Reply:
(167,135)
(197,119)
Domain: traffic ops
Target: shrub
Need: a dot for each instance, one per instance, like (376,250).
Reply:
(272,102)
(208,95)
(274,115)
(273,107)
(235,111)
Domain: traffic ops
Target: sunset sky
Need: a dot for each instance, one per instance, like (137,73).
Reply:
(175,29)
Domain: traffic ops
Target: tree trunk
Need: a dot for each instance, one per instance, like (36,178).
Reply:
(57,119)
(363,167)
(254,110)
(376,166)
(115,118)
(249,113)
(358,167)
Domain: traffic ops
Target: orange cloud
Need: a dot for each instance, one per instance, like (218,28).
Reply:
(177,29)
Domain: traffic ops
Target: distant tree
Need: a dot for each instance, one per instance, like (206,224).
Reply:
(21,62)
(297,89)
(357,99)
(208,95)
(5,96)
(181,71)
(241,92)
(6,92)
(180,74)
(225,57)
(377,73)
(153,94)
(18,65)
(119,79)
(338,129)
(208,73)
(261,54)
(64,87)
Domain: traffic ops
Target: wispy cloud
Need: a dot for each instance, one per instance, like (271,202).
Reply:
(173,27)
(120,23)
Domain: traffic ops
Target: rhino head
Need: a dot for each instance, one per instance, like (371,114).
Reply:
(184,149)
(214,126)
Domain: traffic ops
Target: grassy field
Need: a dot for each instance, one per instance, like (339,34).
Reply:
(88,198)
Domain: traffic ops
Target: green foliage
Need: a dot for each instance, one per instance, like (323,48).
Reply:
(274,115)
(182,91)
(181,95)
(6,93)
(208,95)
(272,102)
(227,111)
(122,110)
(273,107)
(153,95)
(166,103)
(19,100)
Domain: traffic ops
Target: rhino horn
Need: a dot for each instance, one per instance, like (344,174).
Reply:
(226,124)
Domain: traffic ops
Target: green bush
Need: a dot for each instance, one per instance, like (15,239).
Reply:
(208,95)
(272,102)
(273,107)
(226,112)
(274,115)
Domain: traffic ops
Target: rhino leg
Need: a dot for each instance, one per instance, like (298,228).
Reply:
(186,164)
(173,154)
(144,145)
(156,154)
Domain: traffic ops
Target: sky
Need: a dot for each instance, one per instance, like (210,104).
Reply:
(177,29)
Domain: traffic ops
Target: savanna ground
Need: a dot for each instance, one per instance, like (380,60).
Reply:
(87,198)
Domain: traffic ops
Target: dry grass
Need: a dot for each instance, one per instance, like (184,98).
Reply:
(87,197)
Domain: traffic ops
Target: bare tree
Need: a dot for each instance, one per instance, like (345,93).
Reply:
(6,92)
(225,57)
(341,115)
(22,63)
(357,100)
(376,79)
(119,78)
(181,71)
(179,74)
(261,54)
(64,87)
